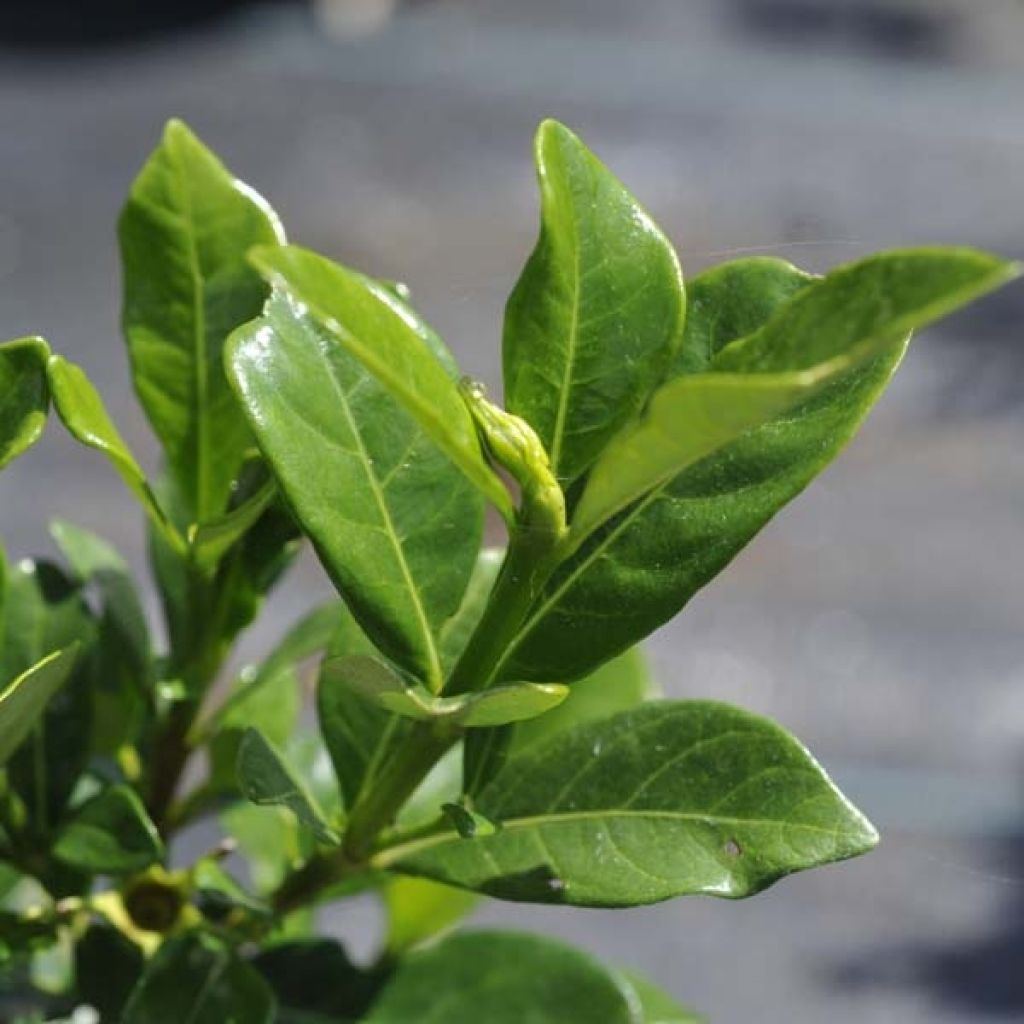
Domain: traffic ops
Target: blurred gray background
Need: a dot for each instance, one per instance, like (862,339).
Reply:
(879,617)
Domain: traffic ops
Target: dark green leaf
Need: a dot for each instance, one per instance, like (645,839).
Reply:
(401,352)
(82,411)
(314,981)
(639,569)
(265,779)
(502,978)
(123,676)
(394,523)
(666,800)
(195,979)
(110,835)
(23,701)
(467,822)
(419,909)
(107,968)
(46,611)
(23,395)
(370,678)
(598,312)
(184,235)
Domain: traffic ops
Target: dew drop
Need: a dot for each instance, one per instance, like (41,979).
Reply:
(732,848)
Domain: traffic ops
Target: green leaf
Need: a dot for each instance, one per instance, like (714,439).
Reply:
(315,982)
(195,978)
(656,1006)
(418,910)
(107,968)
(24,397)
(212,540)
(47,612)
(468,823)
(184,235)
(458,629)
(639,570)
(396,527)
(265,779)
(618,685)
(267,698)
(502,978)
(397,348)
(670,799)
(82,411)
(369,678)
(360,736)
(598,312)
(871,301)
(24,700)
(110,835)
(124,673)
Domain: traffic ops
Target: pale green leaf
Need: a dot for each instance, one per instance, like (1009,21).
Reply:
(598,312)
(82,411)
(418,910)
(369,678)
(658,1007)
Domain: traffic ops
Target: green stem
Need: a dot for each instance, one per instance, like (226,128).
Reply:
(528,565)
(377,808)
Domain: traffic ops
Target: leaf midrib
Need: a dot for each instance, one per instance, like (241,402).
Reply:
(434,667)
(200,374)
(391,855)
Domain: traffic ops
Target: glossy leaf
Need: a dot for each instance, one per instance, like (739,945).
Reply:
(637,571)
(502,978)
(23,700)
(395,525)
(184,234)
(618,685)
(265,779)
(196,978)
(360,736)
(369,678)
(210,541)
(598,312)
(110,835)
(82,411)
(666,800)
(658,1007)
(418,910)
(107,967)
(24,398)
(397,348)
(456,631)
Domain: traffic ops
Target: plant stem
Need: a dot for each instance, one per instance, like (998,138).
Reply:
(377,808)
(527,566)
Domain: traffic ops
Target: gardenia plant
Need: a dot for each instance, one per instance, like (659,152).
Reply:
(485,720)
